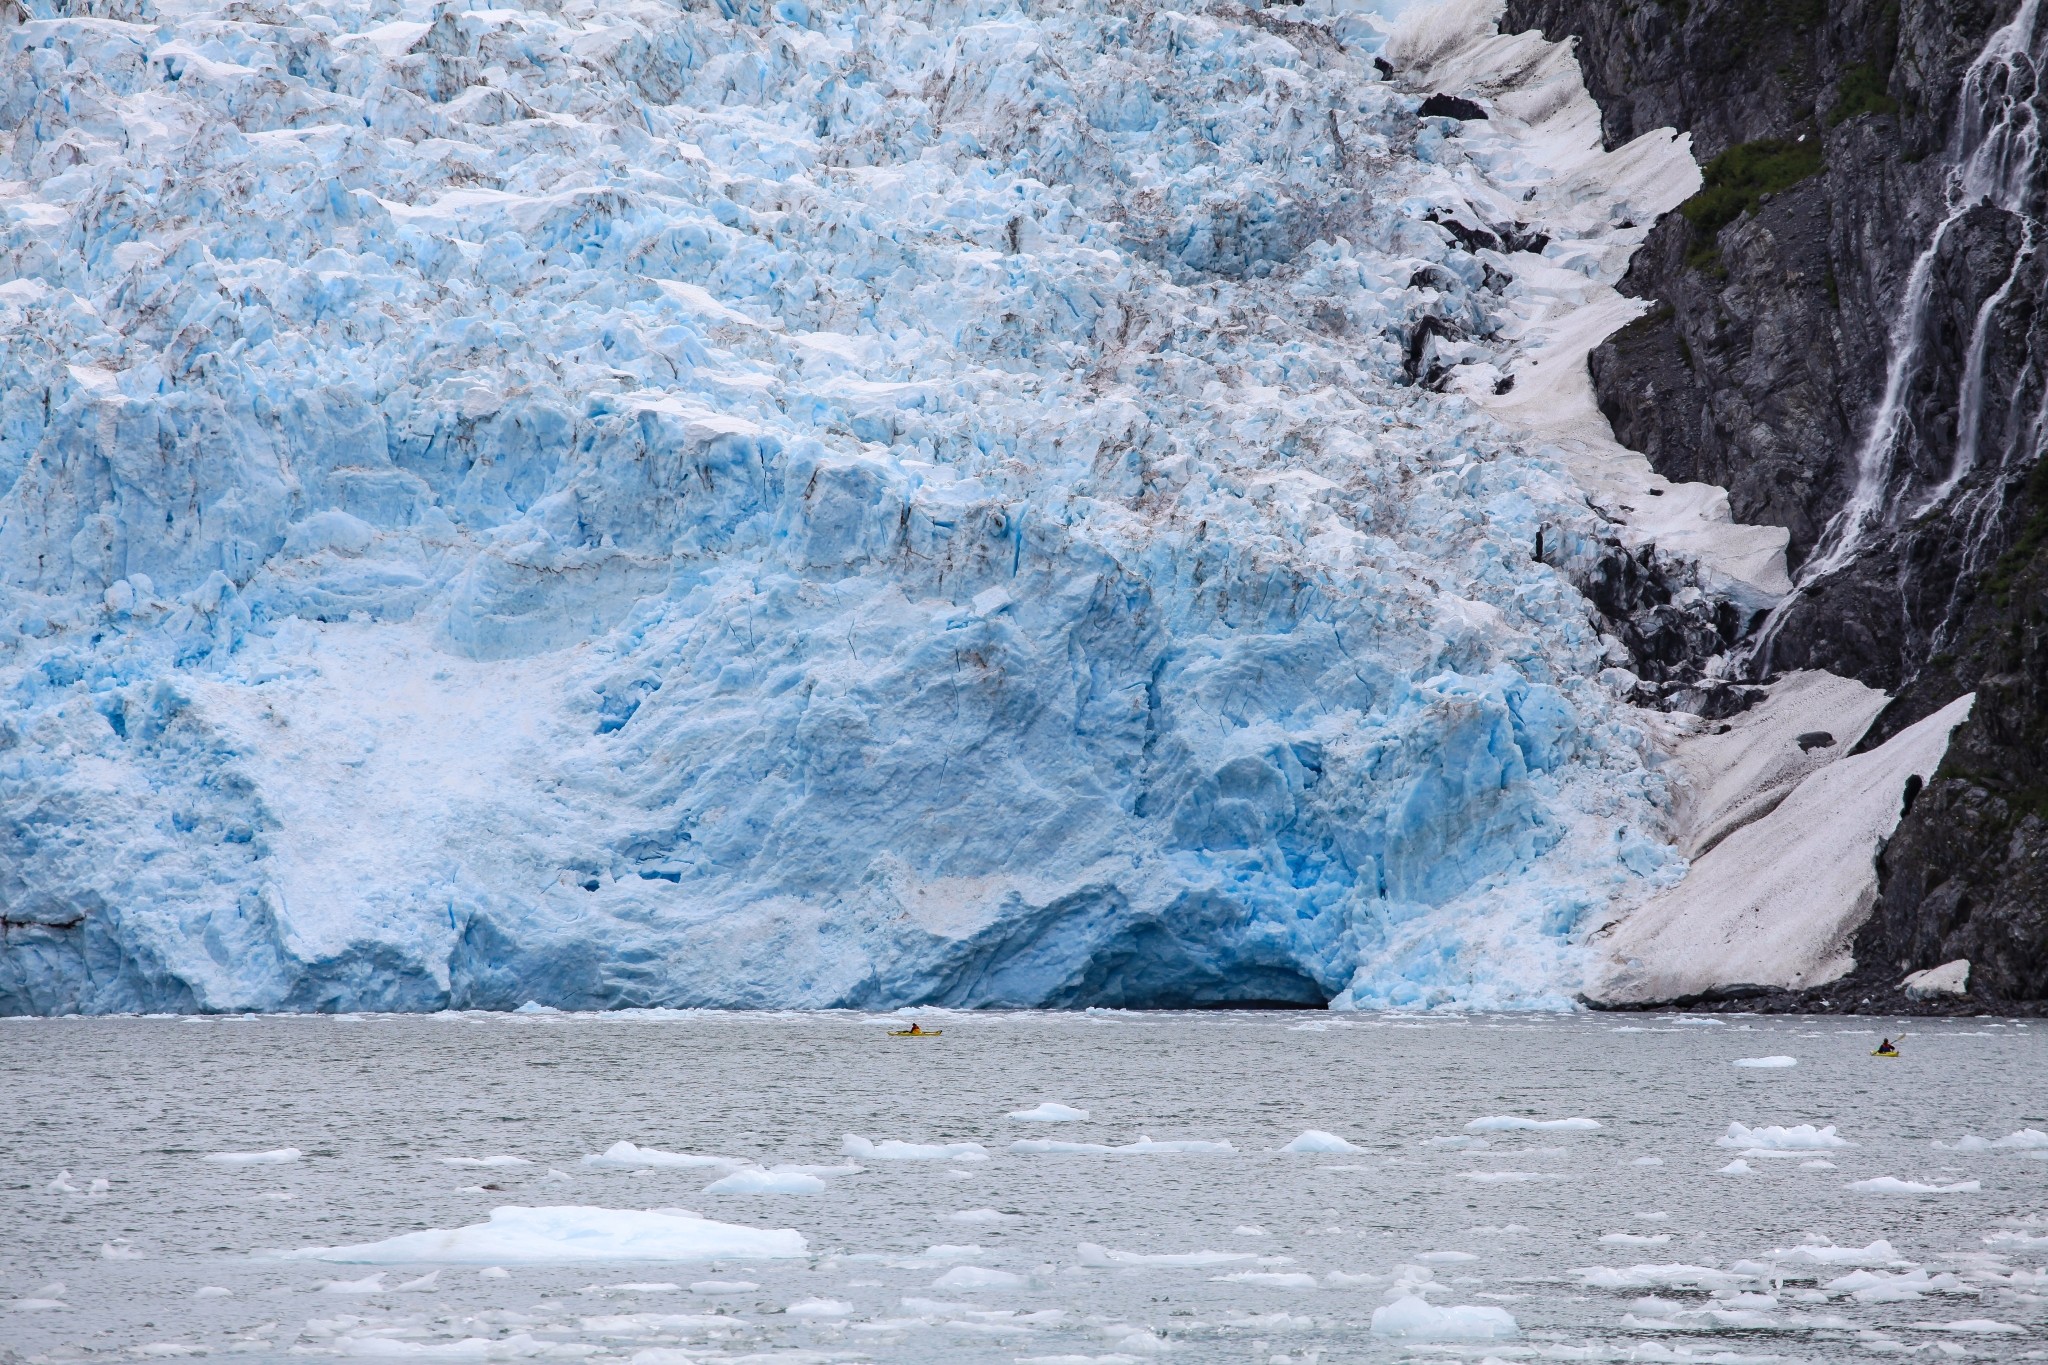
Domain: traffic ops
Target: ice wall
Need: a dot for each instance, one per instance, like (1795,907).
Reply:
(616,503)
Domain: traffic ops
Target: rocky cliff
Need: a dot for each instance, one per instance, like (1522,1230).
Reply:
(1846,335)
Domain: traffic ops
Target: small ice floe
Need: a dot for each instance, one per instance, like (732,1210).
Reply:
(535,1007)
(716,1287)
(1737,1167)
(892,1150)
(418,1286)
(1509,1123)
(369,1284)
(980,1216)
(1702,1278)
(1050,1112)
(624,1156)
(63,1184)
(1766,1063)
(644,1287)
(2027,1140)
(1803,1138)
(755,1180)
(1982,1327)
(47,1299)
(1817,1164)
(1268,1279)
(121,1249)
(555,1177)
(501,1159)
(1317,1141)
(281,1156)
(568,1234)
(1413,1318)
(1446,1257)
(1144,1146)
(494,1272)
(1886,1184)
(1647,1161)
(1247,1230)
(976,1277)
(819,1308)
(213,1291)
(1743,1312)
(1099,1256)
(1507,1177)
(1633,1239)
(1879,1253)
(1874,1286)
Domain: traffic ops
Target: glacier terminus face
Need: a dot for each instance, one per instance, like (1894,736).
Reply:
(622,502)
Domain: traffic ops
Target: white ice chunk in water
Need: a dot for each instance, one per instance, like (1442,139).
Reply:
(369,1284)
(1445,1257)
(213,1291)
(1050,1112)
(1270,1279)
(1632,1239)
(1145,1146)
(980,1216)
(279,1157)
(1096,1255)
(1316,1140)
(568,1233)
(1054,1147)
(893,1150)
(1878,1253)
(624,1156)
(120,1249)
(755,1180)
(1247,1230)
(1737,1167)
(1971,1327)
(1413,1318)
(1803,1138)
(977,1277)
(494,1272)
(1510,1123)
(716,1287)
(62,1185)
(501,1159)
(819,1308)
(1817,1164)
(2025,1140)
(1766,1063)
(1886,1184)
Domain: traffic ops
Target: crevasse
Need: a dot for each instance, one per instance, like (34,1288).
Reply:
(615,503)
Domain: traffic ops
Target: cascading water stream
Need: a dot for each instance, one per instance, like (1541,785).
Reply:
(1996,154)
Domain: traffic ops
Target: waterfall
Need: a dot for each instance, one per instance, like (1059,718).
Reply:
(1995,155)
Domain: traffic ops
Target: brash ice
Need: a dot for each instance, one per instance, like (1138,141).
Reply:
(816,505)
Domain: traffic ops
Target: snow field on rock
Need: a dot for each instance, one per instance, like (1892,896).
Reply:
(842,505)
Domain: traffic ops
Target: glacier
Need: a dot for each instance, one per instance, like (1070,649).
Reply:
(621,503)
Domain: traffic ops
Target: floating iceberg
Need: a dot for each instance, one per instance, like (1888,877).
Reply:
(1507,1123)
(280,1157)
(1801,1138)
(1316,1140)
(1050,1112)
(624,1156)
(568,1234)
(894,1150)
(794,506)
(1413,1318)
(756,1180)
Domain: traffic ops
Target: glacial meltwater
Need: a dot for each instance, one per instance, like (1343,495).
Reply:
(662,1188)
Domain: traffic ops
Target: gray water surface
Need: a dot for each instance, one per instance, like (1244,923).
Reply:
(373,1102)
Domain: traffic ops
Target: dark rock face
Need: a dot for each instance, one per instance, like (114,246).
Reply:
(1859,354)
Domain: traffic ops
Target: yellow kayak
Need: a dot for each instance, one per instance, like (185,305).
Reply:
(1876,1052)
(915,1033)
